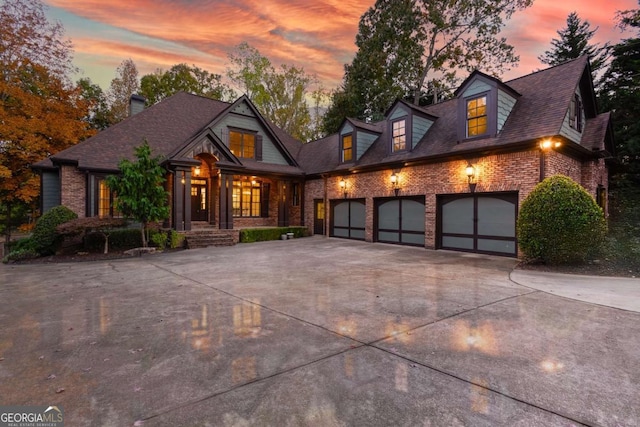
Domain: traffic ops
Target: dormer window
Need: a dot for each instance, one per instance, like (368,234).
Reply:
(476,116)
(576,112)
(399,135)
(347,148)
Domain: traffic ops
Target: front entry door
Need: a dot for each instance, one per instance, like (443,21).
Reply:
(318,216)
(199,200)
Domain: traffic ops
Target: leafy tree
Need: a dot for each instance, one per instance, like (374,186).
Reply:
(280,95)
(574,43)
(40,112)
(559,222)
(141,195)
(181,77)
(27,35)
(386,66)
(98,115)
(621,95)
(464,35)
(122,87)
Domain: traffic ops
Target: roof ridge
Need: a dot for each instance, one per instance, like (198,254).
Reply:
(583,58)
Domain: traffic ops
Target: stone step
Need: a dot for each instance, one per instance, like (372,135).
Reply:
(201,238)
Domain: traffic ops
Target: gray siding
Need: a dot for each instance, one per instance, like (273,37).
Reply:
(246,120)
(346,129)
(50,190)
(420,128)
(505,105)
(398,112)
(364,141)
(476,87)
(567,130)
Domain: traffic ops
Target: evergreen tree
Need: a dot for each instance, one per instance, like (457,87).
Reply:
(621,95)
(574,43)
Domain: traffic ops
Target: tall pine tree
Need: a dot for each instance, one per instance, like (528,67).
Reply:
(574,42)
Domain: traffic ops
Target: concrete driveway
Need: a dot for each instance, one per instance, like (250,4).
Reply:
(311,331)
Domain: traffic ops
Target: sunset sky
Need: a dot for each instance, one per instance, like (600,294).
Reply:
(315,34)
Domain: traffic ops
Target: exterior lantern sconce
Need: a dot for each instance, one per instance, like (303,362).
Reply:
(343,187)
(545,146)
(183,181)
(471,174)
(395,183)
(196,171)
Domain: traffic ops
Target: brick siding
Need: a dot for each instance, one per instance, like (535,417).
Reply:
(74,190)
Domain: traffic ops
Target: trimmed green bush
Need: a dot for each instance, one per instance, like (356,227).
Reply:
(250,235)
(45,237)
(158,239)
(560,223)
(176,240)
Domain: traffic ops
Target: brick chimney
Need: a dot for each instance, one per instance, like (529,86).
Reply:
(136,104)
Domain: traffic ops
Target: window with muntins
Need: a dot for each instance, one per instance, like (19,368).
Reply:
(247,197)
(477,116)
(106,201)
(347,148)
(399,135)
(242,144)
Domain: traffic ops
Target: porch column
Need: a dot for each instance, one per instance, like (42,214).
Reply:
(226,201)
(187,199)
(178,201)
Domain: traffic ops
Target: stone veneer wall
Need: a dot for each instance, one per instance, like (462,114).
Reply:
(74,190)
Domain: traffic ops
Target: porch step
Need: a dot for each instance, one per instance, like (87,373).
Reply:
(203,237)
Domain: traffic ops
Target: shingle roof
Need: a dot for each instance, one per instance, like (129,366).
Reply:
(166,125)
(539,112)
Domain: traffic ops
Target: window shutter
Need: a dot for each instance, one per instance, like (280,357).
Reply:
(572,112)
(258,147)
(264,203)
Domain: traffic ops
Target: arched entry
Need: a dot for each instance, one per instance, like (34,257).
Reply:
(204,189)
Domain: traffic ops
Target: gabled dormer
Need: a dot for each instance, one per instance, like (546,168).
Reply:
(407,125)
(355,139)
(582,106)
(484,104)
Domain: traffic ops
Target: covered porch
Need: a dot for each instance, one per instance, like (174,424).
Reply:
(206,193)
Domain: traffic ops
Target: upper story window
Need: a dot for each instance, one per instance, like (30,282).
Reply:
(347,148)
(399,135)
(576,112)
(477,116)
(242,144)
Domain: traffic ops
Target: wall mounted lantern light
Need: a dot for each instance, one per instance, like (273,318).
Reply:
(196,171)
(343,187)
(545,146)
(471,174)
(395,182)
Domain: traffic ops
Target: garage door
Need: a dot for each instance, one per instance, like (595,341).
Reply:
(348,219)
(400,220)
(479,223)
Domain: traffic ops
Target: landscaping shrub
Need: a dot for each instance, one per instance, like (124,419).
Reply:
(158,239)
(20,250)
(559,222)
(45,237)
(176,240)
(250,235)
(119,240)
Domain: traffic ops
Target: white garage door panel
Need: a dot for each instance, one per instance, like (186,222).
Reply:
(348,219)
(458,216)
(496,217)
